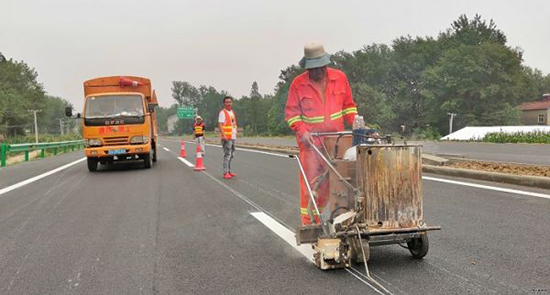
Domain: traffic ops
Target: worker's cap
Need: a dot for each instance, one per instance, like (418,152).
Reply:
(198,118)
(314,56)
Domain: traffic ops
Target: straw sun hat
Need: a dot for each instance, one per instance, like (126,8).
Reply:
(314,56)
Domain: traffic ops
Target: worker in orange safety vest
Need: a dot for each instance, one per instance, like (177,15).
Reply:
(227,122)
(319,100)
(198,133)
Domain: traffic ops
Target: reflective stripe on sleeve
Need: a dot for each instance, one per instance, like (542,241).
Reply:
(294,120)
(352,110)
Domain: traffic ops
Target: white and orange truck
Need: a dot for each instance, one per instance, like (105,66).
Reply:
(119,120)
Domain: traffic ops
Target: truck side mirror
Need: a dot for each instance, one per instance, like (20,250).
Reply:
(68,111)
(151,107)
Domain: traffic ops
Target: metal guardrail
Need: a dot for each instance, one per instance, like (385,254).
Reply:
(5,148)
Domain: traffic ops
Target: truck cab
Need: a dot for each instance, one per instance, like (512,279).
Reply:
(119,121)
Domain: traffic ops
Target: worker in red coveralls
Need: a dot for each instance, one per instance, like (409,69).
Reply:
(319,100)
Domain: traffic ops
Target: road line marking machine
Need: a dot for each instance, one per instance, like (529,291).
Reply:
(375,199)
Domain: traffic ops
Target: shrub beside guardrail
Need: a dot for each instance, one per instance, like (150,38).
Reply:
(6,149)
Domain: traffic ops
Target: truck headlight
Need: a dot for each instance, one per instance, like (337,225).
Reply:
(139,140)
(91,142)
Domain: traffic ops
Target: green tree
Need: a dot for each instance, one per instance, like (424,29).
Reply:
(478,82)
(185,93)
(162,116)
(52,112)
(19,92)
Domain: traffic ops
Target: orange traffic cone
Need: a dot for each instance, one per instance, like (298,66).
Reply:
(182,149)
(199,166)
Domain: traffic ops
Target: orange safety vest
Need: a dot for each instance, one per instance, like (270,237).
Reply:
(199,129)
(227,127)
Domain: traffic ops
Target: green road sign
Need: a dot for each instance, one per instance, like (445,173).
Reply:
(186,112)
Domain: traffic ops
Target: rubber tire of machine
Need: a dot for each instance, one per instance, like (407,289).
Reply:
(92,164)
(154,152)
(147,161)
(419,246)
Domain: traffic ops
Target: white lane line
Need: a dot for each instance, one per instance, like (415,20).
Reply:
(262,152)
(487,187)
(288,236)
(33,179)
(186,162)
(166,149)
(272,222)
(283,232)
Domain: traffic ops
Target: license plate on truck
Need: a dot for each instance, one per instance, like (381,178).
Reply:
(117,152)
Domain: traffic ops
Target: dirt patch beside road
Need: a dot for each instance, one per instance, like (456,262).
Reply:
(509,168)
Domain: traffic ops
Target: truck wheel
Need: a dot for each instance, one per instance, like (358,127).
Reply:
(155,152)
(148,160)
(419,246)
(92,164)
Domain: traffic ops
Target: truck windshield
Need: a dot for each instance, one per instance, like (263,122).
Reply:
(113,106)
(114,110)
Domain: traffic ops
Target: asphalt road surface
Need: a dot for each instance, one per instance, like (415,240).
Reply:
(172,230)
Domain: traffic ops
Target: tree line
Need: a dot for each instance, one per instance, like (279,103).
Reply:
(468,69)
(20,93)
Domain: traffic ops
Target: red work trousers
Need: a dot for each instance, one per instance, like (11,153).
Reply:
(314,167)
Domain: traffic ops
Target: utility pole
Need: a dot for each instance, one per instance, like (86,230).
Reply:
(451,121)
(61,126)
(35,125)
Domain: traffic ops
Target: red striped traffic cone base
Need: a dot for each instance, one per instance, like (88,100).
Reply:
(199,166)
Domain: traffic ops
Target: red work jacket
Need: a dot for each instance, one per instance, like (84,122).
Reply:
(305,110)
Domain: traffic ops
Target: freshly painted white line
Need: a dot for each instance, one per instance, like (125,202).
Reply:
(284,233)
(33,179)
(186,162)
(280,226)
(487,187)
(166,149)
(288,236)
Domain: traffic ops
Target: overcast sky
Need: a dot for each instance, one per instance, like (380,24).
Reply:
(230,44)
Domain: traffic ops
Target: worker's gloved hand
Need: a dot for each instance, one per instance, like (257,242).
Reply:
(307,138)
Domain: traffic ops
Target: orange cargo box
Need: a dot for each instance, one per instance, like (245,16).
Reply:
(120,84)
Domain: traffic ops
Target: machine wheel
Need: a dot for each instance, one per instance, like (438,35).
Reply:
(147,160)
(419,246)
(154,152)
(92,164)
